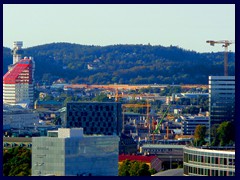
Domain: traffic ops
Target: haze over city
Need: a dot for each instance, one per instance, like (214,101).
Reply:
(185,25)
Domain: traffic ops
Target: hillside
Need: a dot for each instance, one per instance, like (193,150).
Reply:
(128,64)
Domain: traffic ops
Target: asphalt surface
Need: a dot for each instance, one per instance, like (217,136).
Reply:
(171,172)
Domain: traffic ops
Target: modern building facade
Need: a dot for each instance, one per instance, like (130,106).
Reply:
(95,117)
(208,161)
(221,99)
(16,117)
(189,123)
(67,152)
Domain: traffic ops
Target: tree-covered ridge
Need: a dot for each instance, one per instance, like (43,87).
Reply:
(128,64)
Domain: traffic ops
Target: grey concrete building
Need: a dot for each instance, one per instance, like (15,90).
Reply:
(67,152)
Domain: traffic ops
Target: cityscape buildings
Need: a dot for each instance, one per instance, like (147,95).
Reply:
(67,152)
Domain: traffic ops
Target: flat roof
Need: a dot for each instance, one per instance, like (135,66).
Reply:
(212,149)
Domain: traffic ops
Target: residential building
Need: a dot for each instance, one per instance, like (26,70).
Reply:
(67,152)
(209,161)
(95,117)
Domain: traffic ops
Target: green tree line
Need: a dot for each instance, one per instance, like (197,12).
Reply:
(123,64)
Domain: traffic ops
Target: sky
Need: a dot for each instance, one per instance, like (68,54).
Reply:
(187,26)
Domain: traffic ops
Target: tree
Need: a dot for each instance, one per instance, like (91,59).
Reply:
(199,135)
(124,168)
(214,135)
(223,134)
(101,98)
(17,162)
(152,171)
(226,133)
(134,168)
(144,170)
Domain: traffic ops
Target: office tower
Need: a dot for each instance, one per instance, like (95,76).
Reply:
(67,152)
(95,117)
(18,83)
(221,99)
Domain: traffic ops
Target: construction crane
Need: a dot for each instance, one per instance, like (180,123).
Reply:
(160,123)
(225,43)
(148,106)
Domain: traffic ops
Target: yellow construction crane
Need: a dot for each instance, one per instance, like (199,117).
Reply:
(148,106)
(225,43)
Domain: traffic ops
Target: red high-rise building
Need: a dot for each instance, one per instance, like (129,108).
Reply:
(18,83)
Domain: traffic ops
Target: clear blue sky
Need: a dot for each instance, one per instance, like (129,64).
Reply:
(187,26)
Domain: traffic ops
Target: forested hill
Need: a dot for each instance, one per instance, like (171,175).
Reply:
(127,64)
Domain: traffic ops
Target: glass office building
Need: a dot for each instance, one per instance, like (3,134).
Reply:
(221,99)
(95,117)
(67,152)
(209,161)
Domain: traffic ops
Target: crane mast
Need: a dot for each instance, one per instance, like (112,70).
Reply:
(225,43)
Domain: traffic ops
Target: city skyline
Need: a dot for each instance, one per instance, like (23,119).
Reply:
(185,25)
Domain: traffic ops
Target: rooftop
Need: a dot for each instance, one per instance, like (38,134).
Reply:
(163,146)
(215,149)
(147,159)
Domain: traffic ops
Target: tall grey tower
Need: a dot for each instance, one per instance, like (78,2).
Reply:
(17,51)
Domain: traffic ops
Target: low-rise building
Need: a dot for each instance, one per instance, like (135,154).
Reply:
(16,117)
(189,123)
